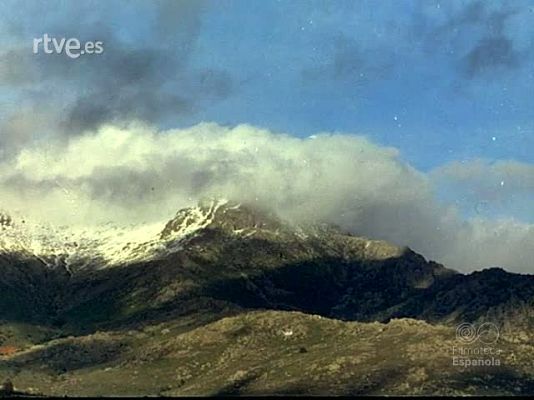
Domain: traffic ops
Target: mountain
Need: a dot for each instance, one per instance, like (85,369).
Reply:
(148,298)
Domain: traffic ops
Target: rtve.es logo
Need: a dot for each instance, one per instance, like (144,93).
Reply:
(72,47)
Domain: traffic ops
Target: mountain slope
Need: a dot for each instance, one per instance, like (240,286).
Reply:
(242,258)
(222,261)
(236,257)
(269,352)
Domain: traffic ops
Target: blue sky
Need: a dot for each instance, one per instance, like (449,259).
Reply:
(395,71)
(441,81)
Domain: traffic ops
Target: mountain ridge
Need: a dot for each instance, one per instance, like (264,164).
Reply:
(115,245)
(225,263)
(236,254)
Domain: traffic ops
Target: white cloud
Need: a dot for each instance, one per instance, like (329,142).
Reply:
(136,174)
(484,177)
(484,187)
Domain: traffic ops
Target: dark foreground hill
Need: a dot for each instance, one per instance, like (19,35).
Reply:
(241,302)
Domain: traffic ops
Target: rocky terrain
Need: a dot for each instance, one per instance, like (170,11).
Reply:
(227,299)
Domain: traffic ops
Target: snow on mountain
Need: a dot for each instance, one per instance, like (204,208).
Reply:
(106,245)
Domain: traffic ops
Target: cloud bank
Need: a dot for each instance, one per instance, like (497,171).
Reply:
(135,173)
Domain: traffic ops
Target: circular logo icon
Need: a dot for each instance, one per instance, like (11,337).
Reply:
(466,332)
(487,333)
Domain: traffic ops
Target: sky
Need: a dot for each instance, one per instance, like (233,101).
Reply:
(433,99)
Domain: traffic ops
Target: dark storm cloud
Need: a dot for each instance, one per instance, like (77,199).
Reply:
(148,82)
(494,50)
(131,81)
(127,83)
(147,77)
(491,53)
(475,38)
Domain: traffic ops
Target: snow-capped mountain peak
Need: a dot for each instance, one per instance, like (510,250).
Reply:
(105,245)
